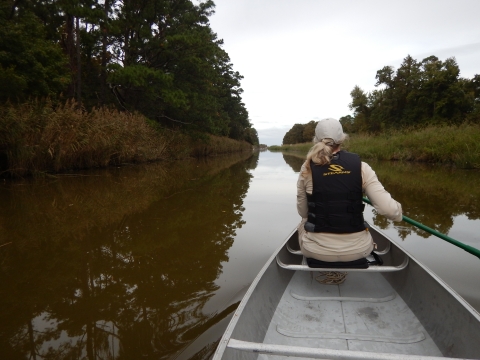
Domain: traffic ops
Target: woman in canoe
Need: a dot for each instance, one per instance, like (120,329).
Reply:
(330,189)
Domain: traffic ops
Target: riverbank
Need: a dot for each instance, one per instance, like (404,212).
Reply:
(457,145)
(38,138)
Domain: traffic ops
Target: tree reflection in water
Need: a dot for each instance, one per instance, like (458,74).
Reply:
(116,263)
(431,194)
(295,161)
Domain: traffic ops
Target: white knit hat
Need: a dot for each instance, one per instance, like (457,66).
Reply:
(329,129)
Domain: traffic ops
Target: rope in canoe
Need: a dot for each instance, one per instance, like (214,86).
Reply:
(331,277)
(467,248)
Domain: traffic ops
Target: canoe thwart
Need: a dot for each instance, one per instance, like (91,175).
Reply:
(319,353)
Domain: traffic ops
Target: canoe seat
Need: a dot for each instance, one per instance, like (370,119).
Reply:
(363,263)
(298,252)
(372,268)
(357,264)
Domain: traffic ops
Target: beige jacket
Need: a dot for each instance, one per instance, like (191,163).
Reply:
(344,247)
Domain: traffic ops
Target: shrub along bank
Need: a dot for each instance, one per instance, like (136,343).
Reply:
(458,145)
(37,137)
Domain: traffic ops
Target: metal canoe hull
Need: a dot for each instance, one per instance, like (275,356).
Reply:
(451,325)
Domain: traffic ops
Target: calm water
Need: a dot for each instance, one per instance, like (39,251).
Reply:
(150,261)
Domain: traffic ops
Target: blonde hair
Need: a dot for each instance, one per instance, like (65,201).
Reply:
(321,153)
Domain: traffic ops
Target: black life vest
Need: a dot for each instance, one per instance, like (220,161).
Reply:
(336,205)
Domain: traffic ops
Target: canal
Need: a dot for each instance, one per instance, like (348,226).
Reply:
(149,261)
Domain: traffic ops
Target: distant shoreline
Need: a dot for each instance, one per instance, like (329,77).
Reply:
(456,145)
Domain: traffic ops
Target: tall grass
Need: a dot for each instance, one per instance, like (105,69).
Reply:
(458,145)
(218,145)
(303,147)
(38,137)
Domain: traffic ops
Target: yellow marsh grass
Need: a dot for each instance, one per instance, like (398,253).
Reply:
(216,145)
(35,137)
(303,147)
(38,137)
(459,145)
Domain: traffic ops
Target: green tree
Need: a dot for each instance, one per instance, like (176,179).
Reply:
(294,135)
(407,79)
(361,109)
(309,131)
(30,64)
(473,90)
(441,96)
(157,57)
(418,93)
(252,136)
(347,123)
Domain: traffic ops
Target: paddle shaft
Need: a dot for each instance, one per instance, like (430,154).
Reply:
(467,248)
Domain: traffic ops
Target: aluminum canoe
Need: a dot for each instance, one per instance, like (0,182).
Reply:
(400,310)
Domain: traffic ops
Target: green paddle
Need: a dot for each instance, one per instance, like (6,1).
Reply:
(467,248)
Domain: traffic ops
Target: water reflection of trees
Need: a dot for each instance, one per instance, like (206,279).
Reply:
(294,161)
(433,195)
(115,264)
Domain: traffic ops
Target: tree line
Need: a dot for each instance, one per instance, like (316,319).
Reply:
(418,93)
(300,133)
(424,92)
(159,58)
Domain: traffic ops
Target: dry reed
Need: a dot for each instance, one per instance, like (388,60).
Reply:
(202,145)
(38,137)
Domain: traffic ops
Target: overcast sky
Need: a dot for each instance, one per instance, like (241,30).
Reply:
(300,59)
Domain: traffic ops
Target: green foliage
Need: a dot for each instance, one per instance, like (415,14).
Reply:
(300,133)
(156,57)
(30,64)
(347,123)
(309,131)
(173,38)
(294,135)
(252,136)
(418,93)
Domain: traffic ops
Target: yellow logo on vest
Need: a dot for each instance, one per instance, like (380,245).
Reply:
(336,170)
